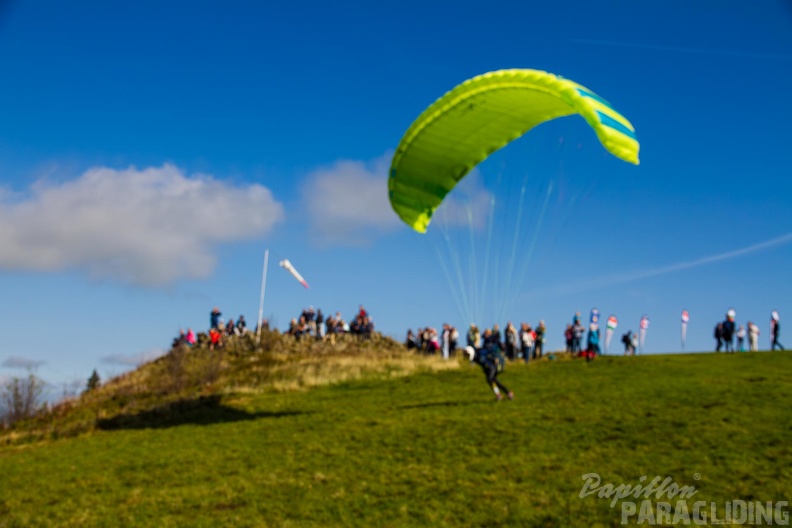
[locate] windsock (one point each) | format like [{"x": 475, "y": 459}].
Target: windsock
[
  {"x": 611, "y": 326},
  {"x": 685, "y": 319},
  {"x": 285, "y": 264},
  {"x": 642, "y": 332}
]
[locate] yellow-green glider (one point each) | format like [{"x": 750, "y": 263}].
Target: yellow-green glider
[{"x": 480, "y": 116}]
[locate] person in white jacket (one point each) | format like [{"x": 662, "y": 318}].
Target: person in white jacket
[
  {"x": 753, "y": 336},
  {"x": 741, "y": 333}
]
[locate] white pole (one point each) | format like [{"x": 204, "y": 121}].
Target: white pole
[{"x": 261, "y": 302}]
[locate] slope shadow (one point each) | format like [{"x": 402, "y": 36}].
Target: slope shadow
[
  {"x": 206, "y": 410},
  {"x": 452, "y": 403}
]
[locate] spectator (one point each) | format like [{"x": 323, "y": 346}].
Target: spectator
[
  {"x": 214, "y": 317},
  {"x": 774, "y": 333},
  {"x": 409, "y": 341},
  {"x": 434, "y": 343},
  {"x": 718, "y": 336},
  {"x": 310, "y": 320},
  {"x": 367, "y": 327},
  {"x": 473, "y": 336},
  {"x": 301, "y": 328},
  {"x": 320, "y": 324},
  {"x": 181, "y": 340},
  {"x": 490, "y": 339},
  {"x": 527, "y": 339},
  {"x": 496, "y": 336},
  {"x": 446, "y": 340},
  {"x": 511, "y": 341},
  {"x": 727, "y": 333},
  {"x": 569, "y": 338},
  {"x": 577, "y": 335},
  {"x": 593, "y": 340},
  {"x": 215, "y": 338},
  {"x": 753, "y": 337},
  {"x": 627, "y": 340},
  {"x": 740, "y": 338},
  {"x": 454, "y": 337},
  {"x": 540, "y": 338},
  {"x": 426, "y": 336}
]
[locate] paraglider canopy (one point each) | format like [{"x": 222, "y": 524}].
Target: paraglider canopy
[{"x": 480, "y": 116}]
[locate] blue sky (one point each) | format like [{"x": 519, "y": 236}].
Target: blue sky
[{"x": 151, "y": 151}]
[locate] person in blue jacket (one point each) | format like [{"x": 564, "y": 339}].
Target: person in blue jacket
[
  {"x": 491, "y": 362},
  {"x": 593, "y": 342}
]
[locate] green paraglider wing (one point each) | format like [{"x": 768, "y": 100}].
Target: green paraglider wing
[{"x": 480, "y": 116}]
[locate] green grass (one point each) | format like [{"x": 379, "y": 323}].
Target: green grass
[{"x": 429, "y": 449}]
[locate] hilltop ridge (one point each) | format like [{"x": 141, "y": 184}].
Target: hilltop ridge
[{"x": 187, "y": 379}]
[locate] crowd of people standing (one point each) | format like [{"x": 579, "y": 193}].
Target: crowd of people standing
[
  {"x": 526, "y": 343},
  {"x": 726, "y": 334},
  {"x": 313, "y": 323}
]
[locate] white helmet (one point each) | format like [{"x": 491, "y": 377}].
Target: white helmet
[{"x": 471, "y": 352}]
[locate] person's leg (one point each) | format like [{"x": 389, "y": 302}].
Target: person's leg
[{"x": 495, "y": 383}]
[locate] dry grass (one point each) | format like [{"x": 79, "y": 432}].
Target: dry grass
[
  {"x": 277, "y": 364},
  {"x": 309, "y": 372}
]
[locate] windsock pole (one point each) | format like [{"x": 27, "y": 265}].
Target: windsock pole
[{"x": 261, "y": 300}]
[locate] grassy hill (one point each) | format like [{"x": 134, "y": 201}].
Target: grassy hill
[
  {"x": 384, "y": 448},
  {"x": 186, "y": 378}
]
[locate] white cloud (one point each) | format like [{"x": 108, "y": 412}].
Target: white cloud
[
  {"x": 22, "y": 363},
  {"x": 621, "y": 278},
  {"x": 468, "y": 205},
  {"x": 150, "y": 226},
  {"x": 348, "y": 203},
  {"x": 133, "y": 360}
]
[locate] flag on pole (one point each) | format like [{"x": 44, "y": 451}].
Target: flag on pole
[
  {"x": 611, "y": 326},
  {"x": 685, "y": 319},
  {"x": 642, "y": 332},
  {"x": 594, "y": 317}
]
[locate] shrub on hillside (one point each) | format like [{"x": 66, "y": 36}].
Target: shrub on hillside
[{"x": 20, "y": 398}]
